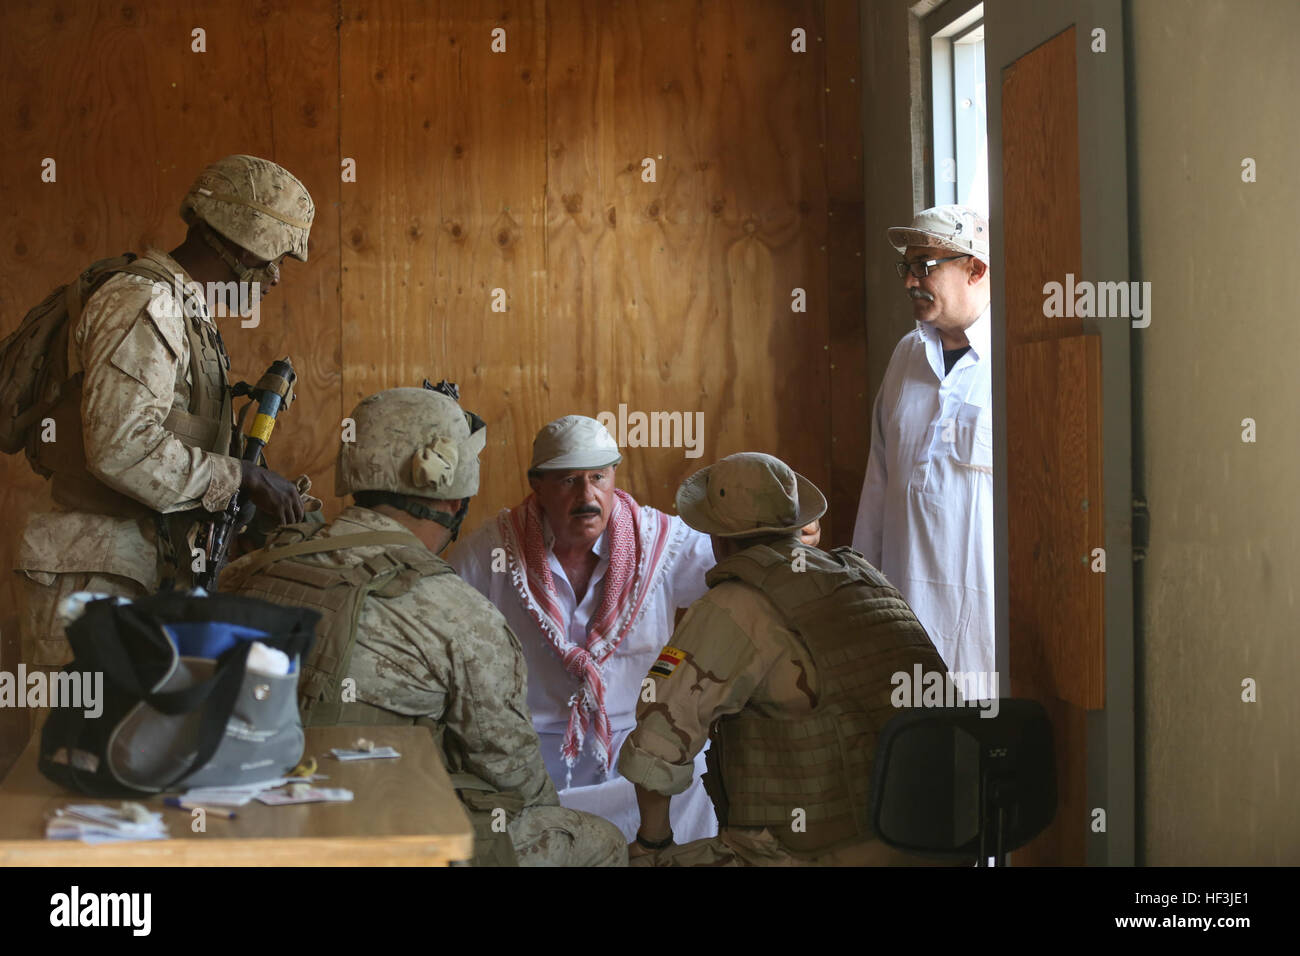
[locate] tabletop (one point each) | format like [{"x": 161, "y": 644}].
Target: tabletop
[{"x": 404, "y": 812}]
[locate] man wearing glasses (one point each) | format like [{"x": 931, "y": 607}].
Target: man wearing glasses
[{"x": 926, "y": 514}]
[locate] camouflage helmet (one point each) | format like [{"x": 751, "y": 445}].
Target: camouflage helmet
[
  {"x": 254, "y": 203},
  {"x": 411, "y": 441}
]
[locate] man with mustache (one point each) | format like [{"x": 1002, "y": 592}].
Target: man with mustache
[
  {"x": 926, "y": 514},
  {"x": 417, "y": 644},
  {"x": 590, "y": 581}
]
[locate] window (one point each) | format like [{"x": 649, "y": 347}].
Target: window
[{"x": 960, "y": 124}]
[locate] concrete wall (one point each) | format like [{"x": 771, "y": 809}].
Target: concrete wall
[{"x": 1215, "y": 82}]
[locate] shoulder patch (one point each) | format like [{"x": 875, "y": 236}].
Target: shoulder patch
[
  {"x": 165, "y": 314},
  {"x": 668, "y": 660},
  {"x": 147, "y": 359}
]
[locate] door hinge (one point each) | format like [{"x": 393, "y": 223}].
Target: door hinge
[{"x": 1141, "y": 529}]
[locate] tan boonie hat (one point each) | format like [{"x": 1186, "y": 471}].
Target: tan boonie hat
[
  {"x": 574, "y": 442},
  {"x": 958, "y": 228},
  {"x": 749, "y": 494},
  {"x": 254, "y": 203}
]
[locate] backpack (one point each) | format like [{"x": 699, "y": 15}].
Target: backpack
[{"x": 35, "y": 371}]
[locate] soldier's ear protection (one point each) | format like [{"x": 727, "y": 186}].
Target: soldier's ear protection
[{"x": 433, "y": 467}]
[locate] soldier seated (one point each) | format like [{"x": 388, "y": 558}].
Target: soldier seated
[
  {"x": 418, "y": 644},
  {"x": 785, "y": 666}
]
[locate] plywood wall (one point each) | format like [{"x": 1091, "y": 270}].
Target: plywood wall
[{"x": 477, "y": 171}]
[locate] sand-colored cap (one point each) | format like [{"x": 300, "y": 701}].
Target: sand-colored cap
[
  {"x": 958, "y": 228},
  {"x": 749, "y": 494},
  {"x": 574, "y": 442}
]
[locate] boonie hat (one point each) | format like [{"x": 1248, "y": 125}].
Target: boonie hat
[
  {"x": 574, "y": 442},
  {"x": 958, "y": 228},
  {"x": 749, "y": 494}
]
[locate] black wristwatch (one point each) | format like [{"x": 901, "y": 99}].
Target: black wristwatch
[{"x": 649, "y": 845}]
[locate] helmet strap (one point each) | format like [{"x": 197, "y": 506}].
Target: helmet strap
[
  {"x": 414, "y": 507},
  {"x": 244, "y": 273}
]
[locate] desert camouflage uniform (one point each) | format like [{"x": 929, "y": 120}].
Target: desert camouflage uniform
[
  {"x": 136, "y": 355},
  {"x": 735, "y": 653},
  {"x": 441, "y": 651}
]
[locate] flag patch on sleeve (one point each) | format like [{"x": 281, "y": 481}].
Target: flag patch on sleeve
[{"x": 668, "y": 660}]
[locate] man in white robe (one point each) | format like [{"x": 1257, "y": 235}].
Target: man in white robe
[
  {"x": 926, "y": 514},
  {"x": 590, "y": 582}
]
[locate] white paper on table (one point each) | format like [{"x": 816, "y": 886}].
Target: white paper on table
[{"x": 379, "y": 753}]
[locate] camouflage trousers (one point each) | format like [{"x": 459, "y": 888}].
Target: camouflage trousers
[
  {"x": 737, "y": 846},
  {"x": 43, "y": 641},
  {"x": 556, "y": 836},
  {"x": 44, "y": 645}
]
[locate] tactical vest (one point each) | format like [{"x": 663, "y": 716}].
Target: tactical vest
[
  {"x": 857, "y": 631},
  {"x": 339, "y": 593},
  {"x": 205, "y": 424}
]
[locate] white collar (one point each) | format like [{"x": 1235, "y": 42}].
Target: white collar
[{"x": 977, "y": 334}]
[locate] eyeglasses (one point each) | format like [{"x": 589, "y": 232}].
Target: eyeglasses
[{"x": 925, "y": 264}]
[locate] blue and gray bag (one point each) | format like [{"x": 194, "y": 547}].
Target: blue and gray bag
[{"x": 180, "y": 708}]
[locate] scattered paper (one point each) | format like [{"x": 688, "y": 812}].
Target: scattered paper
[
  {"x": 279, "y": 798},
  {"x": 238, "y": 796},
  {"x": 377, "y": 754},
  {"x": 95, "y": 823}
]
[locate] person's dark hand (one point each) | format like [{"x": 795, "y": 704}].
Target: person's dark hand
[
  {"x": 247, "y": 512},
  {"x": 274, "y": 496}
]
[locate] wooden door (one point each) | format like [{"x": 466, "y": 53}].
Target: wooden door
[{"x": 1065, "y": 574}]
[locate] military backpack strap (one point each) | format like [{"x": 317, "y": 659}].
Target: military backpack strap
[
  {"x": 207, "y": 422},
  {"x": 339, "y": 593},
  {"x": 320, "y": 545}
]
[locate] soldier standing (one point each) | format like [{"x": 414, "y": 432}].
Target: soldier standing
[{"x": 143, "y": 428}]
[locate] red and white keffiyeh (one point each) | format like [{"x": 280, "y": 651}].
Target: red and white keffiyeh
[{"x": 637, "y": 549}]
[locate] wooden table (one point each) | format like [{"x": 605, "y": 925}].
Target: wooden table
[{"x": 404, "y": 812}]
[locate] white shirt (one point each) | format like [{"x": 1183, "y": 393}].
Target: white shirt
[
  {"x": 689, "y": 555},
  {"x": 926, "y": 514}
]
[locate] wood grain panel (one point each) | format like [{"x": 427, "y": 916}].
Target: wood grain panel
[
  {"x": 1064, "y": 842},
  {"x": 1054, "y": 495},
  {"x": 850, "y": 405},
  {"x": 115, "y": 95},
  {"x": 448, "y": 205},
  {"x": 476, "y": 171},
  {"x": 1040, "y": 164},
  {"x": 677, "y": 292},
  {"x": 1053, "y": 431}
]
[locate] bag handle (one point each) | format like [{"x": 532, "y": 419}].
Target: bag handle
[
  {"x": 221, "y": 691},
  {"x": 216, "y": 695}
]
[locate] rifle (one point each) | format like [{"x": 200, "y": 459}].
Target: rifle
[{"x": 273, "y": 393}]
